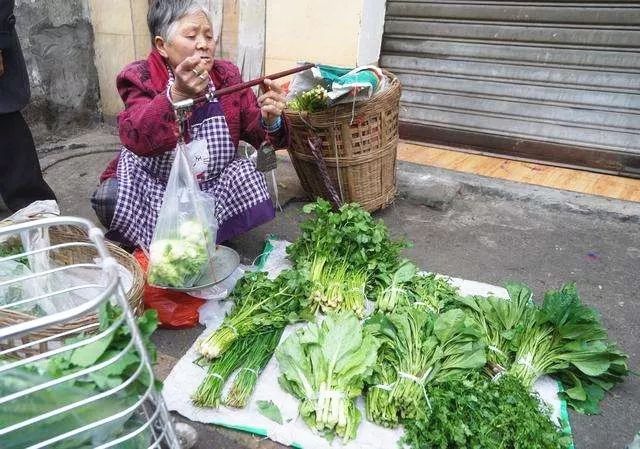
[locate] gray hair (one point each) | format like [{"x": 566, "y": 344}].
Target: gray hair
[{"x": 164, "y": 15}]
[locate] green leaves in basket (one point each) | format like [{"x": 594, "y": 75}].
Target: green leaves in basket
[{"x": 123, "y": 366}]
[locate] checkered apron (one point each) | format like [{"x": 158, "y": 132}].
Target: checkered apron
[{"x": 234, "y": 183}]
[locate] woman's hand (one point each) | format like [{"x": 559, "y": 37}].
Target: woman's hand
[
  {"x": 191, "y": 79},
  {"x": 272, "y": 102}
]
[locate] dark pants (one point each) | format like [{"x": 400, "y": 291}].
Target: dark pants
[
  {"x": 103, "y": 202},
  {"x": 21, "y": 181}
]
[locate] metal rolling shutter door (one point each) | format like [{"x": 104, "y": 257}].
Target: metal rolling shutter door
[{"x": 551, "y": 81}]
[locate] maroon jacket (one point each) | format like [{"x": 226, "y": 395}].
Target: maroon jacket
[{"x": 147, "y": 125}]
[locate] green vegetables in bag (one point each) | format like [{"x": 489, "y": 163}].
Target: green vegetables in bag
[
  {"x": 324, "y": 365},
  {"x": 181, "y": 261},
  {"x": 66, "y": 363}
]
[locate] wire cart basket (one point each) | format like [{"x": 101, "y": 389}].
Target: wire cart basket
[{"x": 90, "y": 386}]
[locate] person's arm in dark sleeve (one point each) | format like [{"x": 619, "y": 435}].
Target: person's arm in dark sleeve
[
  {"x": 147, "y": 126},
  {"x": 253, "y": 129},
  {"x": 7, "y": 24}
]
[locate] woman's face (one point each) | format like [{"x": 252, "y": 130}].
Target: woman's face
[{"x": 192, "y": 36}]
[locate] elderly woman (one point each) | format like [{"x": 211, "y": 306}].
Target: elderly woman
[{"x": 181, "y": 65}]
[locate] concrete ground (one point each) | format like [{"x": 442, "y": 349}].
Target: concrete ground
[{"x": 462, "y": 225}]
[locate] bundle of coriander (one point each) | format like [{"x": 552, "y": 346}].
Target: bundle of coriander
[{"x": 347, "y": 254}]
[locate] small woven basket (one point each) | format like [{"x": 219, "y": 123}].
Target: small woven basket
[
  {"x": 72, "y": 255},
  {"x": 358, "y": 145}
]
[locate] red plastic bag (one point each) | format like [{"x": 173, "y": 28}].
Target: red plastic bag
[{"x": 176, "y": 310}]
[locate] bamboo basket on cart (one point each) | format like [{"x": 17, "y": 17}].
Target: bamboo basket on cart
[
  {"x": 72, "y": 246},
  {"x": 347, "y": 153}
]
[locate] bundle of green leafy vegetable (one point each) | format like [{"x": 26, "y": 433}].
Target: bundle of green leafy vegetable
[
  {"x": 247, "y": 357},
  {"x": 475, "y": 412},
  {"x": 325, "y": 365},
  {"x": 251, "y": 367},
  {"x": 500, "y": 320},
  {"x": 568, "y": 341},
  {"x": 312, "y": 100},
  {"x": 180, "y": 262},
  {"x": 12, "y": 247},
  {"x": 394, "y": 289},
  {"x": 405, "y": 286},
  {"x": 337, "y": 287},
  {"x": 209, "y": 393},
  {"x": 561, "y": 337},
  {"x": 347, "y": 235},
  {"x": 260, "y": 304},
  {"x": 36, "y": 403},
  {"x": 417, "y": 350}
]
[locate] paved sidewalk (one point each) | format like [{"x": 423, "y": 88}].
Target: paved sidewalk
[{"x": 463, "y": 225}]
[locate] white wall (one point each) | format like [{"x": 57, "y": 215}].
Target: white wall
[{"x": 336, "y": 32}]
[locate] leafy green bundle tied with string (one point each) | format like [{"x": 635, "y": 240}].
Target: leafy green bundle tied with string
[
  {"x": 346, "y": 253},
  {"x": 562, "y": 337},
  {"x": 418, "y": 349},
  {"x": 325, "y": 365},
  {"x": 261, "y": 304}
]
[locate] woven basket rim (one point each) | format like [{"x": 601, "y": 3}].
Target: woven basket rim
[
  {"x": 134, "y": 294},
  {"x": 344, "y": 111}
]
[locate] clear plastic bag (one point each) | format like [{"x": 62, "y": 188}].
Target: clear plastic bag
[{"x": 183, "y": 244}]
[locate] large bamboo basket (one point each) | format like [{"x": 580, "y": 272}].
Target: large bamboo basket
[
  {"x": 358, "y": 145},
  {"x": 71, "y": 255}
]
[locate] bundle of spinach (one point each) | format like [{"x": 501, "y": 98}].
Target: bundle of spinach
[
  {"x": 38, "y": 402},
  {"x": 417, "y": 350},
  {"x": 349, "y": 235},
  {"x": 325, "y": 365},
  {"x": 393, "y": 290},
  {"x": 474, "y": 412},
  {"x": 562, "y": 337},
  {"x": 568, "y": 341},
  {"x": 432, "y": 292},
  {"x": 260, "y": 304}
]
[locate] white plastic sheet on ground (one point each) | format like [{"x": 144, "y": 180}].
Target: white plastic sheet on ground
[{"x": 186, "y": 376}]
